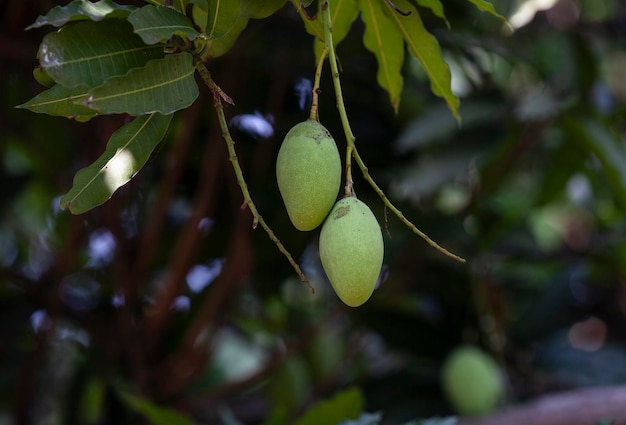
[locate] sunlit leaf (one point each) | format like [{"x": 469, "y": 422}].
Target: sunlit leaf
[
  {"x": 485, "y": 6},
  {"x": 259, "y": 9},
  {"x": 342, "y": 14},
  {"x": 156, "y": 24},
  {"x": 222, "y": 16},
  {"x": 88, "y": 53},
  {"x": 609, "y": 150},
  {"x": 60, "y": 101},
  {"x": 426, "y": 49},
  {"x": 127, "y": 152},
  {"x": 383, "y": 38},
  {"x": 157, "y": 415},
  {"x": 347, "y": 404},
  {"x": 163, "y": 85},
  {"x": 79, "y": 10}
]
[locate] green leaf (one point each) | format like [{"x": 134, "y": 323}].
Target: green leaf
[
  {"x": 259, "y": 9},
  {"x": 485, "y": 6},
  {"x": 88, "y": 53},
  {"x": 80, "y": 10},
  {"x": 163, "y": 85},
  {"x": 436, "y": 7},
  {"x": 343, "y": 13},
  {"x": 60, "y": 101},
  {"x": 157, "y": 24},
  {"x": 127, "y": 152},
  {"x": 347, "y": 404},
  {"x": 597, "y": 139},
  {"x": 157, "y": 415},
  {"x": 383, "y": 38},
  {"x": 222, "y": 16},
  {"x": 218, "y": 46},
  {"x": 426, "y": 49}
]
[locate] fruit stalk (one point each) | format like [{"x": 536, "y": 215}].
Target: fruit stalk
[
  {"x": 230, "y": 143},
  {"x": 351, "y": 150},
  {"x": 328, "y": 40},
  {"x": 314, "y": 115}
]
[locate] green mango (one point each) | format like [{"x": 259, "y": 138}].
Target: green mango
[
  {"x": 351, "y": 249},
  {"x": 308, "y": 171},
  {"x": 471, "y": 381}
]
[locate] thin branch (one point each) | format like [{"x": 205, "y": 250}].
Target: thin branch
[
  {"x": 328, "y": 39},
  {"x": 351, "y": 148},
  {"x": 230, "y": 143}
]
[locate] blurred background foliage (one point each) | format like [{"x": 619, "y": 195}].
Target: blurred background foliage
[{"x": 165, "y": 306}]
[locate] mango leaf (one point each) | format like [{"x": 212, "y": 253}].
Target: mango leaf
[
  {"x": 218, "y": 46},
  {"x": 60, "y": 101},
  {"x": 426, "y": 49},
  {"x": 259, "y": 9},
  {"x": 128, "y": 150},
  {"x": 163, "y": 85},
  {"x": 342, "y": 14},
  {"x": 80, "y": 10},
  {"x": 157, "y": 24},
  {"x": 222, "y": 16},
  {"x": 485, "y": 6},
  {"x": 313, "y": 26},
  {"x": 436, "y": 7},
  {"x": 383, "y": 38},
  {"x": 88, "y": 53},
  {"x": 157, "y": 415},
  {"x": 347, "y": 404},
  {"x": 595, "y": 138}
]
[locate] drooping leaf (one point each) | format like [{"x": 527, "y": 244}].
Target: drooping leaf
[
  {"x": 222, "y": 16},
  {"x": 436, "y": 7},
  {"x": 426, "y": 49},
  {"x": 60, "y": 101},
  {"x": 128, "y": 149},
  {"x": 383, "y": 38},
  {"x": 347, "y": 404},
  {"x": 157, "y": 24},
  {"x": 595, "y": 138},
  {"x": 216, "y": 47},
  {"x": 88, "y": 53},
  {"x": 163, "y": 85},
  {"x": 259, "y": 9},
  {"x": 157, "y": 415},
  {"x": 485, "y": 6},
  {"x": 80, "y": 10},
  {"x": 343, "y": 13}
]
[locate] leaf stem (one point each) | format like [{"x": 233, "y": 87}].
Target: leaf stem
[
  {"x": 218, "y": 95},
  {"x": 351, "y": 150}
]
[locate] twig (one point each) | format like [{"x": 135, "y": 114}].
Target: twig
[
  {"x": 218, "y": 95},
  {"x": 351, "y": 150}
]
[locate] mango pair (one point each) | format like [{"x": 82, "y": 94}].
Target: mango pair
[{"x": 308, "y": 171}]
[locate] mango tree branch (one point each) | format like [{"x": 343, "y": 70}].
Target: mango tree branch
[
  {"x": 218, "y": 95},
  {"x": 580, "y": 406},
  {"x": 351, "y": 149}
]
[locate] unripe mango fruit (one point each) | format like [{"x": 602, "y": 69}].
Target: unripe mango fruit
[
  {"x": 308, "y": 171},
  {"x": 471, "y": 381},
  {"x": 351, "y": 249}
]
